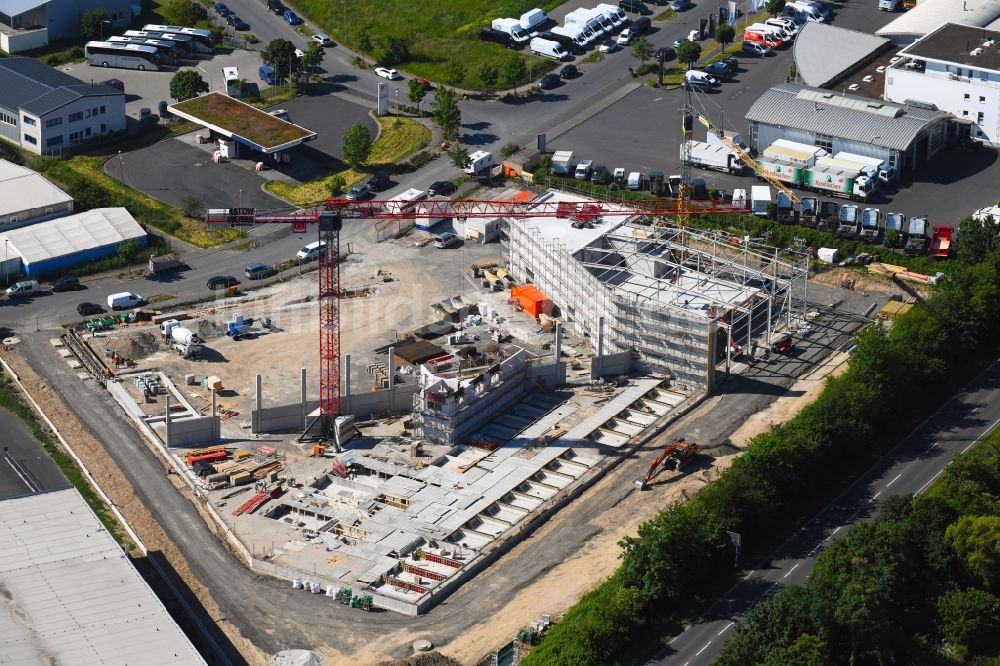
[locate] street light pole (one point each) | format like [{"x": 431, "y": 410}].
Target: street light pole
[{"x": 102, "y": 27}]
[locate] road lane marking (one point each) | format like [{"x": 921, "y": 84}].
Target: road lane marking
[
  {"x": 894, "y": 480},
  {"x": 831, "y": 534},
  {"x": 657, "y": 99},
  {"x": 929, "y": 482},
  {"x": 985, "y": 432},
  {"x": 723, "y": 630},
  {"x": 791, "y": 570},
  {"x": 703, "y": 649}
]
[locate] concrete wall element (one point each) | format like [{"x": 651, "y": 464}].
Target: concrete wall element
[
  {"x": 399, "y": 399},
  {"x": 362, "y": 405},
  {"x": 552, "y": 374},
  {"x": 281, "y": 418},
  {"x": 611, "y": 365},
  {"x": 200, "y": 430}
]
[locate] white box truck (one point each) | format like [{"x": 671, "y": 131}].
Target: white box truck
[
  {"x": 562, "y": 162},
  {"x": 548, "y": 48},
  {"x": 582, "y": 18},
  {"x": 712, "y": 156},
  {"x": 880, "y": 168},
  {"x": 479, "y": 163},
  {"x": 512, "y": 28},
  {"x": 573, "y": 33},
  {"x": 532, "y": 18},
  {"x": 616, "y": 14},
  {"x": 635, "y": 180},
  {"x": 760, "y": 200}
]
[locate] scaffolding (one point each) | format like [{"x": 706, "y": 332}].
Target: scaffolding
[{"x": 681, "y": 299}]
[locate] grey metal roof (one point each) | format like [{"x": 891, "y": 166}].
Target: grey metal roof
[
  {"x": 18, "y": 7},
  {"x": 929, "y": 15},
  {"x": 846, "y": 116},
  {"x": 823, "y": 53},
  {"x": 961, "y": 45},
  {"x": 37, "y": 88}
]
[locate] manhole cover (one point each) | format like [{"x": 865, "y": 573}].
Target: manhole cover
[
  {"x": 422, "y": 645},
  {"x": 11, "y": 341}
]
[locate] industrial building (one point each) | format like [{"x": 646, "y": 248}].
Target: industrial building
[
  {"x": 47, "y": 111},
  {"x": 27, "y": 197},
  {"x": 32, "y": 24},
  {"x": 826, "y": 54},
  {"x": 51, "y": 247},
  {"x": 904, "y": 136},
  {"x": 929, "y": 15},
  {"x": 956, "y": 69},
  {"x": 679, "y": 299},
  {"x": 70, "y": 593}
]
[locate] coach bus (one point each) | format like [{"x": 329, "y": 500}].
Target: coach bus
[
  {"x": 127, "y": 56},
  {"x": 166, "y": 51},
  {"x": 203, "y": 39},
  {"x": 185, "y": 47}
]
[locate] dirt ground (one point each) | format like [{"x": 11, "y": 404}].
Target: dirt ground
[
  {"x": 857, "y": 279},
  {"x": 113, "y": 482}
]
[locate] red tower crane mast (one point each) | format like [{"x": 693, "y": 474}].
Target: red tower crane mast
[{"x": 329, "y": 216}]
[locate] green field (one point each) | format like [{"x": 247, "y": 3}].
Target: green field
[{"x": 439, "y": 31}]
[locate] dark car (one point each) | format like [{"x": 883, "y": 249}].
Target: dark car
[
  {"x": 441, "y": 188},
  {"x": 87, "y": 308},
  {"x": 568, "y": 71},
  {"x": 221, "y": 282},
  {"x": 664, "y": 54},
  {"x": 597, "y": 175},
  {"x": 718, "y": 69},
  {"x": 259, "y": 271},
  {"x": 699, "y": 190},
  {"x": 221, "y": 9},
  {"x": 379, "y": 181},
  {"x": 276, "y": 7},
  {"x": 65, "y": 283},
  {"x": 241, "y": 25},
  {"x": 231, "y": 19},
  {"x": 549, "y": 81},
  {"x": 358, "y": 192},
  {"x": 114, "y": 83}
]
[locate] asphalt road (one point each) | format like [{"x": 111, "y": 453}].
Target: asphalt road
[
  {"x": 909, "y": 468},
  {"x": 24, "y": 466}
]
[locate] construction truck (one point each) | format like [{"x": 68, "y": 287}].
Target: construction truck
[
  {"x": 715, "y": 156},
  {"x": 182, "y": 340},
  {"x": 916, "y": 236},
  {"x": 673, "y": 456},
  {"x": 164, "y": 263},
  {"x": 870, "y": 218}
]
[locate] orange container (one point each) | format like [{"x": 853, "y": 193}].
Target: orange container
[{"x": 531, "y": 299}]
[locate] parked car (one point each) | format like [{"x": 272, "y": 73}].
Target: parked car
[
  {"x": 358, "y": 192},
  {"x": 125, "y": 300},
  {"x": 276, "y": 7},
  {"x": 548, "y": 82},
  {"x": 387, "y": 73},
  {"x": 259, "y": 271},
  {"x": 292, "y": 17},
  {"x": 755, "y": 49},
  {"x": 231, "y": 18},
  {"x": 322, "y": 40},
  {"x": 719, "y": 69},
  {"x": 446, "y": 239},
  {"x": 379, "y": 180},
  {"x": 65, "y": 283},
  {"x": 569, "y": 71},
  {"x": 87, "y": 308},
  {"x": 634, "y": 6},
  {"x": 23, "y": 289},
  {"x": 695, "y": 78},
  {"x": 221, "y": 9},
  {"x": 441, "y": 188},
  {"x": 597, "y": 175},
  {"x": 221, "y": 282},
  {"x": 699, "y": 190},
  {"x": 680, "y": 40},
  {"x": 311, "y": 252},
  {"x": 610, "y": 46},
  {"x": 664, "y": 53},
  {"x": 425, "y": 82},
  {"x": 114, "y": 83},
  {"x": 241, "y": 25}
]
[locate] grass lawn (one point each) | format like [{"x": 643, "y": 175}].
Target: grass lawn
[
  {"x": 439, "y": 31},
  {"x": 397, "y": 140},
  {"x": 240, "y": 118}
]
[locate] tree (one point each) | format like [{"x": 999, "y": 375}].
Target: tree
[
  {"x": 774, "y": 7},
  {"x": 446, "y": 114},
  {"x": 186, "y": 84},
  {"x": 363, "y": 41},
  {"x": 459, "y": 157},
  {"x": 192, "y": 206},
  {"x": 416, "y": 93},
  {"x": 127, "y": 250},
  {"x": 515, "y": 69},
  {"x": 396, "y": 50},
  {"x": 978, "y": 240},
  {"x": 976, "y": 542},
  {"x": 336, "y": 186},
  {"x": 313, "y": 55},
  {"x": 279, "y": 54},
  {"x": 357, "y": 145},
  {"x": 182, "y": 12},
  {"x": 970, "y": 619},
  {"x": 488, "y": 76},
  {"x": 725, "y": 34},
  {"x": 688, "y": 53},
  {"x": 642, "y": 50},
  {"x": 455, "y": 74},
  {"x": 92, "y": 23},
  {"x": 87, "y": 196}
]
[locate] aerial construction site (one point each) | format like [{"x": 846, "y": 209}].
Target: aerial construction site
[{"x": 442, "y": 433}]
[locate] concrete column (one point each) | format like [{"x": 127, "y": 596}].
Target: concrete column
[
  {"x": 216, "y": 424},
  {"x": 600, "y": 347},
  {"x": 558, "y": 345},
  {"x": 392, "y": 376},
  {"x": 167, "y": 421},
  {"x": 345, "y": 405},
  {"x": 302, "y": 396},
  {"x": 260, "y": 396}
]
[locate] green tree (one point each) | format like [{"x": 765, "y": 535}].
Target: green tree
[
  {"x": 313, "y": 55},
  {"x": 336, "y": 186},
  {"x": 455, "y": 74},
  {"x": 976, "y": 542},
  {"x": 363, "y": 41},
  {"x": 688, "y": 53},
  {"x": 488, "y": 76},
  {"x": 182, "y": 12},
  {"x": 127, "y": 250},
  {"x": 87, "y": 195},
  {"x": 978, "y": 239},
  {"x": 192, "y": 206},
  {"x": 774, "y": 7},
  {"x": 280, "y": 54},
  {"x": 186, "y": 84},
  {"x": 642, "y": 50},
  {"x": 515, "y": 69},
  {"x": 357, "y": 145},
  {"x": 459, "y": 157},
  {"x": 446, "y": 113},
  {"x": 92, "y": 23},
  {"x": 395, "y": 50},
  {"x": 970, "y": 620},
  {"x": 725, "y": 34},
  {"x": 416, "y": 93},
  {"x": 892, "y": 237}
]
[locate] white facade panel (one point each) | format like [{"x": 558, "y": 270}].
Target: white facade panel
[{"x": 968, "y": 98}]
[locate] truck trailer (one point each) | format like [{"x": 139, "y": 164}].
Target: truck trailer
[
  {"x": 562, "y": 162},
  {"x": 879, "y": 168},
  {"x": 712, "y": 156}
]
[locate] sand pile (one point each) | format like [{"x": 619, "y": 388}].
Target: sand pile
[
  {"x": 208, "y": 329},
  {"x": 134, "y": 346}
]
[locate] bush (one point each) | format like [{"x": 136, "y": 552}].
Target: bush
[{"x": 509, "y": 149}]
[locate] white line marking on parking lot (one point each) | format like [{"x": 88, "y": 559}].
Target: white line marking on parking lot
[
  {"x": 894, "y": 480},
  {"x": 703, "y": 649},
  {"x": 724, "y": 628},
  {"x": 791, "y": 570},
  {"x": 657, "y": 99}
]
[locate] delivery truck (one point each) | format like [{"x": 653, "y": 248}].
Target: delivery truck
[
  {"x": 791, "y": 151},
  {"x": 760, "y": 200},
  {"x": 876, "y": 168},
  {"x": 712, "y": 156},
  {"x": 893, "y": 222},
  {"x": 562, "y": 163},
  {"x": 916, "y": 235},
  {"x": 870, "y": 219},
  {"x": 848, "y": 222}
]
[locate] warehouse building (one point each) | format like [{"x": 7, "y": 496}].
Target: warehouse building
[
  {"x": 27, "y": 197},
  {"x": 680, "y": 300},
  {"x": 929, "y": 15},
  {"x": 956, "y": 68},
  {"x": 32, "y": 24},
  {"x": 49, "y": 248},
  {"x": 905, "y": 136}
]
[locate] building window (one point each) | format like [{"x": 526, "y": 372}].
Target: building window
[
  {"x": 52, "y": 122},
  {"x": 86, "y": 113},
  {"x": 965, "y": 114},
  {"x": 73, "y": 117},
  {"x": 982, "y": 100},
  {"x": 30, "y": 139},
  {"x": 103, "y": 111},
  {"x": 9, "y": 120},
  {"x": 28, "y": 120},
  {"x": 104, "y": 128},
  {"x": 983, "y": 76},
  {"x": 966, "y": 97},
  {"x": 75, "y": 138},
  {"x": 825, "y": 142},
  {"x": 87, "y": 132},
  {"x": 980, "y": 117},
  {"x": 53, "y": 141}
]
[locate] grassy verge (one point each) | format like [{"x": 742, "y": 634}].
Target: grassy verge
[
  {"x": 399, "y": 137},
  {"x": 58, "y": 53},
  {"x": 665, "y": 15},
  {"x": 11, "y": 399}
]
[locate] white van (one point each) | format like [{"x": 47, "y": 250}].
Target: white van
[
  {"x": 785, "y": 23},
  {"x": 125, "y": 300},
  {"x": 548, "y": 48},
  {"x": 311, "y": 251},
  {"x": 512, "y": 28},
  {"x": 571, "y": 32},
  {"x": 533, "y": 18},
  {"x": 773, "y": 30},
  {"x": 22, "y": 289},
  {"x": 801, "y": 11},
  {"x": 616, "y": 14},
  {"x": 635, "y": 180},
  {"x": 696, "y": 77}
]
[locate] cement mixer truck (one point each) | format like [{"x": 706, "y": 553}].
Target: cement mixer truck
[{"x": 182, "y": 340}]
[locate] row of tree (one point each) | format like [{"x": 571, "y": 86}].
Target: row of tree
[{"x": 682, "y": 558}]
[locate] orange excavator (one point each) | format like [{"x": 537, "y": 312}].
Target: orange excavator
[{"x": 675, "y": 454}]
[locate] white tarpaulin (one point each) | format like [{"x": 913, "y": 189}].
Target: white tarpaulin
[{"x": 827, "y": 254}]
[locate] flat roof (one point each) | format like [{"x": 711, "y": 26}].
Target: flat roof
[
  {"x": 825, "y": 53},
  {"x": 930, "y": 14},
  {"x": 22, "y": 189},
  {"x": 954, "y": 43},
  {"x": 68, "y": 235},
  {"x": 241, "y": 122},
  {"x": 561, "y": 231},
  {"x": 71, "y": 595}
]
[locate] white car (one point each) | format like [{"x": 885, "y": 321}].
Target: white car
[
  {"x": 387, "y": 73},
  {"x": 609, "y": 46},
  {"x": 694, "y": 35},
  {"x": 322, "y": 40}
]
